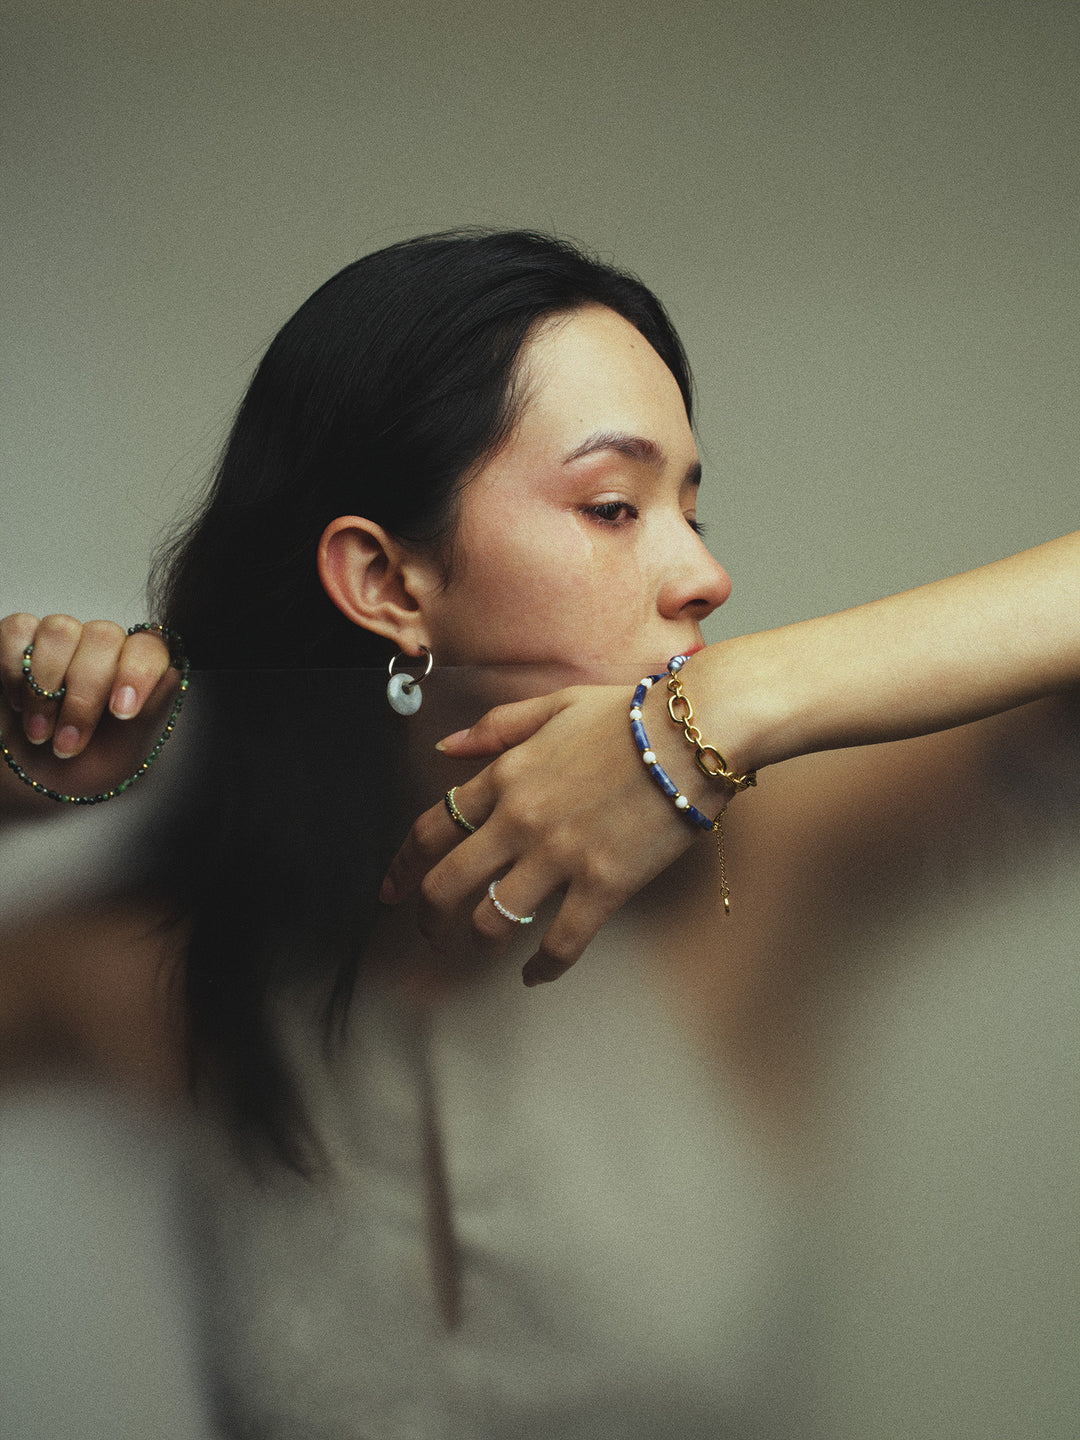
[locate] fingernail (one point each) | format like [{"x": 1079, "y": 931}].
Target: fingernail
[
  {"x": 387, "y": 893},
  {"x": 124, "y": 703},
  {"x": 36, "y": 729},
  {"x": 66, "y": 742},
  {"x": 449, "y": 740}
]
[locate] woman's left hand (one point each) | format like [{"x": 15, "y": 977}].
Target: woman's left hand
[{"x": 567, "y": 807}]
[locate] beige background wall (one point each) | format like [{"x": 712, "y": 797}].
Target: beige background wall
[
  {"x": 862, "y": 216},
  {"x": 859, "y": 213}
]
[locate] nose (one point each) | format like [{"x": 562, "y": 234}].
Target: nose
[{"x": 695, "y": 583}]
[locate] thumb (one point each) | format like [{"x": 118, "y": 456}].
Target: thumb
[{"x": 504, "y": 727}]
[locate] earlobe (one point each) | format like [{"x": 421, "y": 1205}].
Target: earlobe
[{"x": 371, "y": 579}]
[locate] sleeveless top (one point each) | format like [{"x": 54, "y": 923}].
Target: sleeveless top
[{"x": 539, "y": 1216}]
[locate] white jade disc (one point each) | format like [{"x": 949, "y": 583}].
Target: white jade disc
[{"x": 404, "y": 694}]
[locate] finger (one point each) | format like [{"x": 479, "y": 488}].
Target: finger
[
  {"x": 432, "y": 837},
  {"x": 16, "y": 632},
  {"x": 509, "y": 905},
  {"x": 88, "y": 682},
  {"x": 55, "y": 642},
  {"x": 143, "y": 660},
  {"x": 505, "y": 726},
  {"x": 580, "y": 917},
  {"x": 451, "y": 888}
]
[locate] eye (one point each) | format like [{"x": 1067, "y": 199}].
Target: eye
[
  {"x": 612, "y": 512},
  {"x": 695, "y": 525}
]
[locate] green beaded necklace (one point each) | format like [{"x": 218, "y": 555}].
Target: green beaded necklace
[{"x": 177, "y": 658}]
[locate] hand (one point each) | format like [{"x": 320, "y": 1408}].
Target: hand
[
  {"x": 99, "y": 664},
  {"x": 568, "y": 807}
]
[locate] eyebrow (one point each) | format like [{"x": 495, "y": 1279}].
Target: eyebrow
[{"x": 636, "y": 447}]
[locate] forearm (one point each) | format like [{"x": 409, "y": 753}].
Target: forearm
[{"x": 941, "y": 655}]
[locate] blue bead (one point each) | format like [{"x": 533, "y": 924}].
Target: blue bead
[{"x": 664, "y": 780}]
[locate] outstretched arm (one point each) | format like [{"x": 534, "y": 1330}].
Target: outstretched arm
[
  {"x": 925, "y": 660},
  {"x": 567, "y": 806}
]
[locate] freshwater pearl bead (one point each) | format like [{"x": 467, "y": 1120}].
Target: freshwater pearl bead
[{"x": 648, "y": 755}]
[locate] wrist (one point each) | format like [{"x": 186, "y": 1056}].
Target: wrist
[
  {"x": 741, "y": 693},
  {"x": 690, "y": 766}
]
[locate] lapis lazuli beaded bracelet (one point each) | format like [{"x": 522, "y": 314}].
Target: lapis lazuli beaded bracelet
[
  {"x": 656, "y": 770},
  {"x": 668, "y": 786}
]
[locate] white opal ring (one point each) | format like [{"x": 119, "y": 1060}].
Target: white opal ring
[{"x": 504, "y": 912}]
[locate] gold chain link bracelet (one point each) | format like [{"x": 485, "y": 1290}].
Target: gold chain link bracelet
[{"x": 717, "y": 769}]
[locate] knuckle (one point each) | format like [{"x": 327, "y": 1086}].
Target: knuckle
[
  {"x": 144, "y": 656},
  {"x": 426, "y": 830},
  {"x": 563, "y": 848},
  {"x": 506, "y": 768},
  {"x": 435, "y": 890},
  {"x": 526, "y": 814},
  {"x": 20, "y": 623},
  {"x": 103, "y": 633},
  {"x": 598, "y": 877},
  {"x": 499, "y": 722},
  {"x": 80, "y": 707},
  {"x": 63, "y": 628}
]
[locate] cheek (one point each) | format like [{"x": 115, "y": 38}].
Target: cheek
[
  {"x": 509, "y": 584},
  {"x": 510, "y": 554},
  {"x": 541, "y": 586}
]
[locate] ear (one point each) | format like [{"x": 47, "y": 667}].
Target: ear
[{"x": 374, "y": 581}]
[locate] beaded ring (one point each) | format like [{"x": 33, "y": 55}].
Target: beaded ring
[
  {"x": 455, "y": 814},
  {"x": 507, "y": 914},
  {"x": 178, "y": 659},
  {"x": 57, "y": 694}
]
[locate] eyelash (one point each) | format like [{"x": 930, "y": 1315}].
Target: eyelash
[{"x": 606, "y": 514}]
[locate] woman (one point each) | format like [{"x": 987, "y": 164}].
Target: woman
[{"x": 478, "y": 446}]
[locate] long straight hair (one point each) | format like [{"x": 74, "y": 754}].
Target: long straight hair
[{"x": 384, "y": 393}]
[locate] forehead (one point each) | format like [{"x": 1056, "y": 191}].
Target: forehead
[{"x": 593, "y": 370}]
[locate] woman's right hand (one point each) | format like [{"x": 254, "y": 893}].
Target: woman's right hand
[
  {"x": 567, "y": 809},
  {"x": 100, "y": 665}
]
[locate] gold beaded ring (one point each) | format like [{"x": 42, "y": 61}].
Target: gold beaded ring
[{"x": 455, "y": 814}]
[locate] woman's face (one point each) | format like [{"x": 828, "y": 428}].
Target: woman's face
[{"x": 577, "y": 542}]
